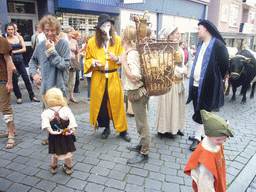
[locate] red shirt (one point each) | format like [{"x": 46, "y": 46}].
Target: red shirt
[{"x": 214, "y": 162}]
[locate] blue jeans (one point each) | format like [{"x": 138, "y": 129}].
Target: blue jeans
[{"x": 15, "y": 79}]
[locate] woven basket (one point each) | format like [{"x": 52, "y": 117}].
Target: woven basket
[{"x": 157, "y": 62}]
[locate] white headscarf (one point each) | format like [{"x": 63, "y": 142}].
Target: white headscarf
[{"x": 166, "y": 31}]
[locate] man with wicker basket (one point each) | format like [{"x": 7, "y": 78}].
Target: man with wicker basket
[
  {"x": 209, "y": 68},
  {"x": 102, "y": 59},
  {"x": 136, "y": 92}
]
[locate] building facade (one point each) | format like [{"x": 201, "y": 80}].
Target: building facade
[
  {"x": 83, "y": 14},
  {"x": 235, "y": 19}
]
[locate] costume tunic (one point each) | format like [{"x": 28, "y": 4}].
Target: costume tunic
[
  {"x": 5, "y": 48},
  {"x": 214, "y": 67},
  {"x": 59, "y": 144},
  {"x": 139, "y": 105},
  {"x": 170, "y": 115},
  {"x": 54, "y": 67},
  {"x": 207, "y": 167},
  {"x": 98, "y": 83}
]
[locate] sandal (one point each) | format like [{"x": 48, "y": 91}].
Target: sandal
[
  {"x": 45, "y": 142},
  {"x": 68, "y": 170},
  {"x": 53, "y": 169},
  {"x": 6, "y": 134},
  {"x": 11, "y": 142},
  {"x": 73, "y": 100}
]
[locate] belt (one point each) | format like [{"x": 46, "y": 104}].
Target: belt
[{"x": 107, "y": 71}]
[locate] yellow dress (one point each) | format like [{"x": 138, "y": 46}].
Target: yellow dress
[{"x": 98, "y": 81}]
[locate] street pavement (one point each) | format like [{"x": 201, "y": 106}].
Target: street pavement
[{"x": 100, "y": 165}]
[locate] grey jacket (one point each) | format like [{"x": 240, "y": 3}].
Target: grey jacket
[{"x": 54, "y": 67}]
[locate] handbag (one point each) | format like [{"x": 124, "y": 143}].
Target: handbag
[{"x": 74, "y": 65}]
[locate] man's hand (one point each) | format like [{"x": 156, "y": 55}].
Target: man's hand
[
  {"x": 49, "y": 44},
  {"x": 37, "y": 78},
  {"x": 9, "y": 87}
]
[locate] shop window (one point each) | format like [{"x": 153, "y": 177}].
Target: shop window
[{"x": 21, "y": 7}]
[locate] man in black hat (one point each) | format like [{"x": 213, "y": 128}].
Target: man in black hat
[
  {"x": 209, "y": 68},
  {"x": 102, "y": 59}
]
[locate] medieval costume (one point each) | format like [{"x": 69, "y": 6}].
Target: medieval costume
[
  {"x": 107, "y": 101},
  {"x": 209, "y": 68},
  {"x": 60, "y": 122},
  {"x": 170, "y": 115},
  {"x": 206, "y": 165},
  {"x": 137, "y": 94}
]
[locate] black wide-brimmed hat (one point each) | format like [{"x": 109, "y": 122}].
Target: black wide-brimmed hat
[
  {"x": 102, "y": 18},
  {"x": 212, "y": 29}
]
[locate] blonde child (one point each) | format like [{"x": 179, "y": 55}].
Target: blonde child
[
  {"x": 206, "y": 165},
  {"x": 60, "y": 122}
]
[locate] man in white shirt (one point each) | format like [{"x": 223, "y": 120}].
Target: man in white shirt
[{"x": 209, "y": 68}]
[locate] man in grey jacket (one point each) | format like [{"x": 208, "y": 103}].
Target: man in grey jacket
[{"x": 53, "y": 55}]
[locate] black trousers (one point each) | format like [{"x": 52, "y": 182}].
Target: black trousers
[
  {"x": 103, "y": 117},
  {"x": 197, "y": 116}
]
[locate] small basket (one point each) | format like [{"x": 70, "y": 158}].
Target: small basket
[{"x": 157, "y": 62}]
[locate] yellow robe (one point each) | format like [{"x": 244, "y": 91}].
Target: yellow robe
[{"x": 98, "y": 82}]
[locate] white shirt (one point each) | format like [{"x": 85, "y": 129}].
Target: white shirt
[
  {"x": 197, "y": 71},
  {"x": 65, "y": 113},
  {"x": 133, "y": 61}
]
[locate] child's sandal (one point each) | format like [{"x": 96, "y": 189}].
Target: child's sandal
[
  {"x": 68, "y": 170},
  {"x": 53, "y": 169}
]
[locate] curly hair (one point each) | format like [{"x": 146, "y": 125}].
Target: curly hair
[
  {"x": 52, "y": 21},
  {"x": 76, "y": 34},
  {"x": 100, "y": 40}
]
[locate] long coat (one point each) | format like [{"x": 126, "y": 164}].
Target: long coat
[
  {"x": 214, "y": 67},
  {"x": 98, "y": 83}
]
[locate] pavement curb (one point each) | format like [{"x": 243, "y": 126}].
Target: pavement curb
[{"x": 245, "y": 177}]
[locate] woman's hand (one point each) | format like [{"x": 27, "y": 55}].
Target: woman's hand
[{"x": 98, "y": 63}]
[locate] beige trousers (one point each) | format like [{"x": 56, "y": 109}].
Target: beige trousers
[{"x": 139, "y": 108}]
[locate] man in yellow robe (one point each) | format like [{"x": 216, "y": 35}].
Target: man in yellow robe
[{"x": 102, "y": 59}]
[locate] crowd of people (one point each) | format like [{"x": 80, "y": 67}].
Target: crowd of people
[{"x": 61, "y": 58}]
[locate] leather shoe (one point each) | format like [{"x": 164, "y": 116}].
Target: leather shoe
[
  {"x": 166, "y": 135},
  {"x": 180, "y": 133},
  {"x": 137, "y": 148},
  {"x": 105, "y": 133},
  {"x": 124, "y": 135},
  {"x": 139, "y": 158},
  {"x": 194, "y": 145},
  {"x": 192, "y": 138}
]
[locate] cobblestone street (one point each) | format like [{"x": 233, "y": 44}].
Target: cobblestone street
[{"x": 100, "y": 165}]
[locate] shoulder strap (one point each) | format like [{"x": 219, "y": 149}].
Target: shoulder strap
[{"x": 56, "y": 114}]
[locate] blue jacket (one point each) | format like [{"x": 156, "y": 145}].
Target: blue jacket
[{"x": 214, "y": 67}]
